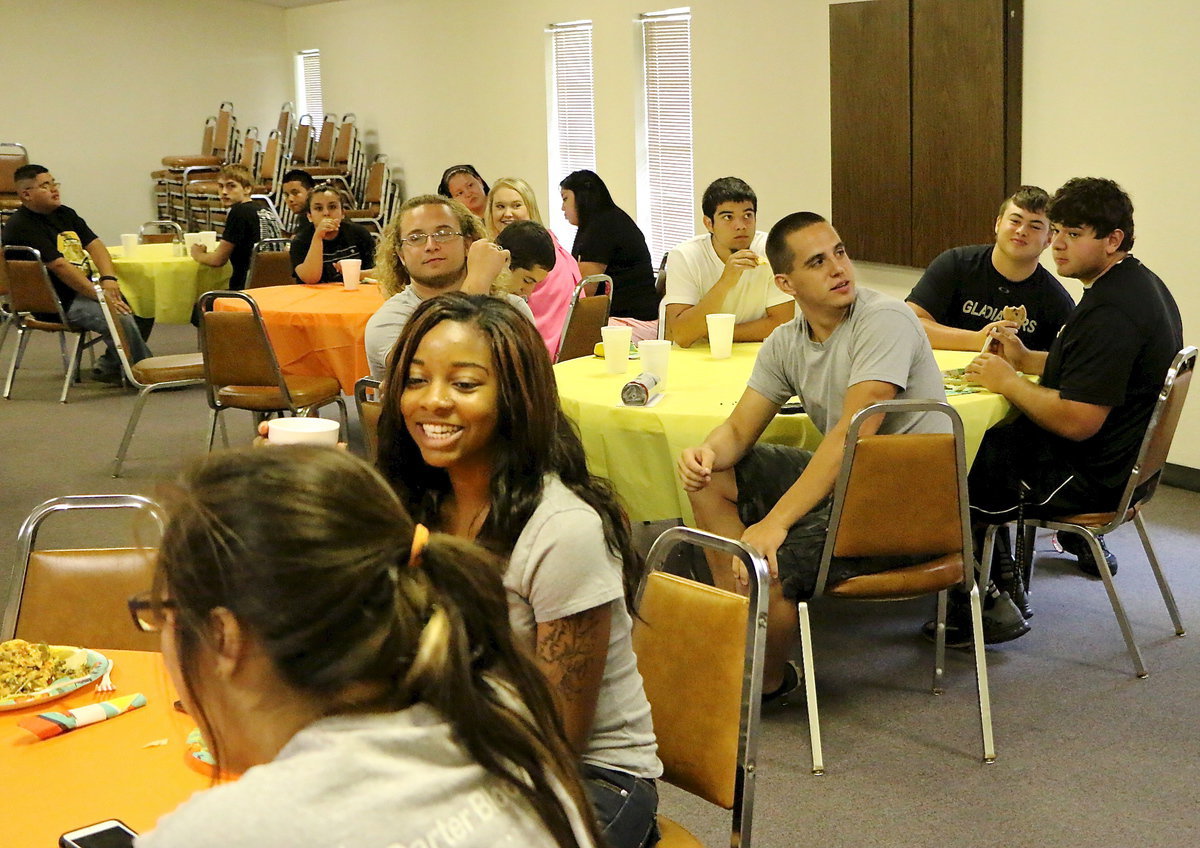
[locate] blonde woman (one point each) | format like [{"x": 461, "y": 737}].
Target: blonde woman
[{"x": 511, "y": 199}]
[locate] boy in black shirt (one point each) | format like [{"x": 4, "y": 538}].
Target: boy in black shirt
[{"x": 246, "y": 224}]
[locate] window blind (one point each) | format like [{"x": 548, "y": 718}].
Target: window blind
[
  {"x": 667, "y": 63},
  {"x": 572, "y": 116},
  {"x": 308, "y": 85}
]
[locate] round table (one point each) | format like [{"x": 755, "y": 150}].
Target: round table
[
  {"x": 636, "y": 447},
  {"x": 160, "y": 285},
  {"x": 132, "y": 767},
  {"x": 318, "y": 330}
]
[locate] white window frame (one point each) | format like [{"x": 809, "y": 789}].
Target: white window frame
[
  {"x": 665, "y": 172},
  {"x": 308, "y": 83},
  {"x": 571, "y": 114}
]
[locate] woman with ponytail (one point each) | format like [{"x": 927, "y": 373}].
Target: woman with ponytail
[
  {"x": 356, "y": 670},
  {"x": 472, "y": 437}
]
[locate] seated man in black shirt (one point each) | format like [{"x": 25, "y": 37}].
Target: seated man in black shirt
[
  {"x": 73, "y": 255},
  {"x": 246, "y": 224},
  {"x": 326, "y": 238},
  {"x": 1074, "y": 446},
  {"x": 963, "y": 292}
]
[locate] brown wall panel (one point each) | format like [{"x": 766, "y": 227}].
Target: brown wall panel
[
  {"x": 869, "y": 73},
  {"x": 959, "y": 132}
]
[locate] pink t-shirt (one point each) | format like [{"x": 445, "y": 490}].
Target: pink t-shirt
[{"x": 550, "y": 300}]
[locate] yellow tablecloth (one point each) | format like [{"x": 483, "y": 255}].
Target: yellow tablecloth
[
  {"x": 160, "y": 285},
  {"x": 636, "y": 447}
]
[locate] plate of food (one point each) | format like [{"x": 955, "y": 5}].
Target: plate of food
[{"x": 33, "y": 673}]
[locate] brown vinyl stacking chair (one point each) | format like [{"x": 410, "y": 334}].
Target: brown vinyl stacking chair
[
  {"x": 202, "y": 208},
  {"x": 377, "y": 198},
  {"x": 164, "y": 177},
  {"x": 35, "y": 306},
  {"x": 78, "y": 596},
  {"x": 270, "y": 264},
  {"x": 700, "y": 653},
  {"x": 160, "y": 232},
  {"x": 147, "y": 376},
  {"x": 241, "y": 371},
  {"x": 185, "y": 169},
  {"x": 13, "y": 155},
  {"x": 366, "y": 401},
  {"x": 902, "y": 495},
  {"x": 344, "y": 162},
  {"x": 302, "y": 142},
  {"x": 1143, "y": 481},
  {"x": 6, "y": 314},
  {"x": 581, "y": 330}
]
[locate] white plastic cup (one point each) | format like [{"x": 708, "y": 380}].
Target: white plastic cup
[
  {"x": 616, "y": 348},
  {"x": 190, "y": 239},
  {"x": 302, "y": 431},
  {"x": 129, "y": 245},
  {"x": 209, "y": 237},
  {"x": 655, "y": 355},
  {"x": 351, "y": 271},
  {"x": 720, "y": 334}
]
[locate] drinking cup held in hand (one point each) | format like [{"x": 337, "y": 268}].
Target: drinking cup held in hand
[
  {"x": 616, "y": 348},
  {"x": 302, "y": 431}
]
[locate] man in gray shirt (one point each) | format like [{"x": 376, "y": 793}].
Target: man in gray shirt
[
  {"x": 846, "y": 349},
  {"x": 434, "y": 246}
]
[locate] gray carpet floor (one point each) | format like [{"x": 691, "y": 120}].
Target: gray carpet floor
[{"x": 1088, "y": 755}]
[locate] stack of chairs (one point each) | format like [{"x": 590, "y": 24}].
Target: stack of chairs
[
  {"x": 379, "y": 197},
  {"x": 220, "y": 147},
  {"x": 13, "y": 155},
  {"x": 339, "y": 156},
  {"x": 202, "y": 209}
]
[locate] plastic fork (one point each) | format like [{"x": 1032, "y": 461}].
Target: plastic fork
[{"x": 106, "y": 684}]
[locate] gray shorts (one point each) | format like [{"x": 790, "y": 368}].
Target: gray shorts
[{"x": 763, "y": 476}]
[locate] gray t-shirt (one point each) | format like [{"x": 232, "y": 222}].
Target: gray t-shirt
[
  {"x": 384, "y": 327},
  {"x": 561, "y": 565},
  {"x": 378, "y": 779},
  {"x": 881, "y": 339}
]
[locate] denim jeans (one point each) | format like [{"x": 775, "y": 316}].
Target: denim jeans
[
  {"x": 626, "y": 806},
  {"x": 85, "y": 312}
]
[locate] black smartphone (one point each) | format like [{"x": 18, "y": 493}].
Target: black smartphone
[
  {"x": 106, "y": 834},
  {"x": 792, "y": 407}
]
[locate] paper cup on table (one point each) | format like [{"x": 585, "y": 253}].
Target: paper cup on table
[
  {"x": 302, "y": 431},
  {"x": 720, "y": 334},
  {"x": 351, "y": 269},
  {"x": 616, "y": 347},
  {"x": 209, "y": 238},
  {"x": 190, "y": 239},
  {"x": 129, "y": 245},
  {"x": 655, "y": 357}
]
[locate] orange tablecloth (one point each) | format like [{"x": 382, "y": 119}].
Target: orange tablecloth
[
  {"x": 318, "y": 330},
  {"x": 98, "y": 772}
]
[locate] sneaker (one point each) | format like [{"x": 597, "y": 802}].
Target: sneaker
[
  {"x": 1008, "y": 576},
  {"x": 1075, "y": 545},
  {"x": 792, "y": 678},
  {"x": 1002, "y": 621}
]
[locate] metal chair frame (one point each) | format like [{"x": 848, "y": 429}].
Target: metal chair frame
[
  {"x": 1139, "y": 490},
  {"x": 595, "y": 280},
  {"x": 366, "y": 394},
  {"x": 746, "y": 771},
  {"x": 968, "y": 583}
]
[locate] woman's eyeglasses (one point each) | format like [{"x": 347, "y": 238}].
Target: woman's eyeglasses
[{"x": 147, "y": 611}]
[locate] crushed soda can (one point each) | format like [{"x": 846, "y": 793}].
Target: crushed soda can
[{"x": 639, "y": 390}]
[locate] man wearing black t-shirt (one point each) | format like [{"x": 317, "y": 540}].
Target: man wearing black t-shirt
[
  {"x": 963, "y": 292},
  {"x": 1083, "y": 424},
  {"x": 73, "y": 256},
  {"x": 246, "y": 224}
]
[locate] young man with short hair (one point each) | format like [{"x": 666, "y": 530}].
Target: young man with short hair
[
  {"x": 296, "y": 185},
  {"x": 433, "y": 245},
  {"x": 724, "y": 270},
  {"x": 73, "y": 255},
  {"x": 1072, "y": 449},
  {"x": 246, "y": 224},
  {"x": 846, "y": 349},
  {"x": 531, "y": 255},
  {"x": 964, "y": 291}
]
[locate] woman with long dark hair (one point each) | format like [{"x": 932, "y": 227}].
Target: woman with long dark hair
[
  {"x": 609, "y": 242},
  {"x": 475, "y": 443},
  {"x": 358, "y": 671}
]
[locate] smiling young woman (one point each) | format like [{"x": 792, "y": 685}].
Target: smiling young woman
[{"x": 475, "y": 443}]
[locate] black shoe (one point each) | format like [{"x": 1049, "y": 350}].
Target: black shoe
[
  {"x": 1002, "y": 621},
  {"x": 1007, "y": 576},
  {"x": 110, "y": 378},
  {"x": 1075, "y": 545},
  {"x": 792, "y": 678}
]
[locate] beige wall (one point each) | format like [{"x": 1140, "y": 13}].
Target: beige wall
[{"x": 100, "y": 92}]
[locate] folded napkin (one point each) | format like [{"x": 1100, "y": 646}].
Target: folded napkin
[{"x": 46, "y": 725}]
